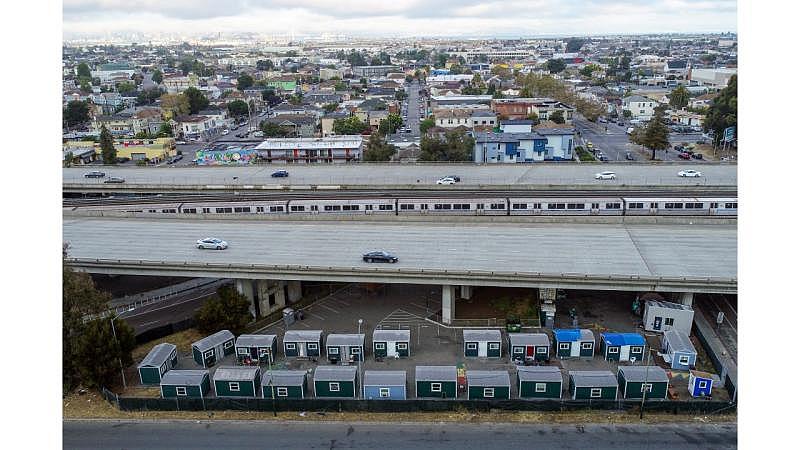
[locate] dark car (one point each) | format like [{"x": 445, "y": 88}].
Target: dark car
[
  {"x": 697, "y": 156},
  {"x": 280, "y": 174},
  {"x": 678, "y": 148},
  {"x": 379, "y": 256},
  {"x": 94, "y": 174},
  {"x": 115, "y": 180},
  {"x": 621, "y": 124}
]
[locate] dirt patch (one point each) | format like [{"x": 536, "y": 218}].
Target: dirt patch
[
  {"x": 498, "y": 303},
  {"x": 182, "y": 339}
]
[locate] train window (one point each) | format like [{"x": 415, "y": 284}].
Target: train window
[
  {"x": 346, "y": 207},
  {"x": 613, "y": 206},
  {"x": 337, "y": 207},
  {"x": 520, "y": 206},
  {"x": 635, "y": 205},
  {"x": 276, "y": 209},
  {"x": 406, "y": 206},
  {"x": 245, "y": 209},
  {"x": 556, "y": 206},
  {"x": 385, "y": 207},
  {"x": 368, "y": 207},
  {"x": 298, "y": 208},
  {"x": 168, "y": 210},
  {"x": 206, "y": 210},
  {"x": 498, "y": 206},
  {"x": 479, "y": 206},
  {"x": 190, "y": 211},
  {"x": 314, "y": 207},
  {"x": 355, "y": 207},
  {"x": 575, "y": 206},
  {"x": 465, "y": 206},
  {"x": 259, "y": 209},
  {"x": 151, "y": 210},
  {"x": 328, "y": 207},
  {"x": 732, "y": 205}
]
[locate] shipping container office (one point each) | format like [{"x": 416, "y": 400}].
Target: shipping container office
[
  {"x": 700, "y": 383},
  {"x": 662, "y": 316},
  {"x": 436, "y": 381},
  {"x": 635, "y": 380},
  {"x": 488, "y": 384},
  {"x": 391, "y": 343},
  {"x": 539, "y": 382},
  {"x": 285, "y": 383},
  {"x": 622, "y": 346},
  {"x": 302, "y": 343},
  {"x": 566, "y": 206},
  {"x": 592, "y": 385},
  {"x": 239, "y": 381},
  {"x": 529, "y": 346},
  {"x": 678, "y": 351},
  {"x": 385, "y": 384},
  {"x": 185, "y": 383},
  {"x": 211, "y": 349},
  {"x": 260, "y": 348},
  {"x": 577, "y": 343},
  {"x": 158, "y": 361},
  {"x": 345, "y": 347},
  {"x": 335, "y": 381},
  {"x": 483, "y": 343}
]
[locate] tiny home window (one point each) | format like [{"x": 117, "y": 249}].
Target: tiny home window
[
  {"x": 402, "y": 346},
  {"x": 180, "y": 390},
  {"x": 208, "y": 354},
  {"x": 355, "y": 350},
  {"x": 541, "y": 350},
  {"x": 472, "y": 346},
  {"x": 314, "y": 346},
  {"x": 636, "y": 349},
  {"x": 494, "y": 346},
  {"x": 595, "y": 392},
  {"x": 333, "y": 350},
  {"x": 541, "y": 387},
  {"x": 233, "y": 386},
  {"x": 290, "y": 346},
  {"x": 242, "y": 351},
  {"x": 684, "y": 360},
  {"x": 669, "y": 321},
  {"x": 437, "y": 387},
  {"x": 333, "y": 387},
  {"x": 384, "y": 392},
  {"x": 228, "y": 344},
  {"x": 519, "y": 350},
  {"x": 587, "y": 346},
  {"x": 647, "y": 387},
  {"x": 380, "y": 346},
  {"x": 702, "y": 384},
  {"x": 488, "y": 392},
  {"x": 263, "y": 352},
  {"x": 614, "y": 350},
  {"x": 282, "y": 391},
  {"x": 563, "y": 345}
]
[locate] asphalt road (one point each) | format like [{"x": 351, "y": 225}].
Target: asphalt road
[
  {"x": 168, "y": 311},
  {"x": 331, "y": 435}
]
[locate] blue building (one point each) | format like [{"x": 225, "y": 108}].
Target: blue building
[
  {"x": 678, "y": 350},
  {"x": 622, "y": 346},
  {"x": 700, "y": 383},
  {"x": 385, "y": 384},
  {"x": 578, "y": 343},
  {"x": 552, "y": 144}
]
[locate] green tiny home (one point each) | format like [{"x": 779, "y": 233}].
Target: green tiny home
[
  {"x": 238, "y": 381},
  {"x": 158, "y": 361},
  {"x": 335, "y": 381},
  {"x": 539, "y": 382},
  {"x": 488, "y": 385},
  {"x": 211, "y": 349},
  {"x": 185, "y": 383},
  {"x": 285, "y": 384},
  {"x": 260, "y": 348},
  {"x": 344, "y": 347},
  {"x": 391, "y": 343},
  {"x": 483, "y": 343},
  {"x": 302, "y": 343},
  {"x": 635, "y": 380},
  {"x": 436, "y": 381},
  {"x": 592, "y": 385},
  {"x": 529, "y": 346}
]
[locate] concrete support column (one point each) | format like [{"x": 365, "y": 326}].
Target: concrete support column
[
  {"x": 245, "y": 287},
  {"x": 295, "y": 291},
  {"x": 263, "y": 288},
  {"x": 280, "y": 295},
  {"x": 448, "y": 303},
  {"x": 687, "y": 298},
  {"x": 466, "y": 292}
]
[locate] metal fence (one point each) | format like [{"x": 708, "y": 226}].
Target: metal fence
[{"x": 164, "y": 330}]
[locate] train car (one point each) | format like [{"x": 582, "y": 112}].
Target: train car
[
  {"x": 722, "y": 206},
  {"x": 343, "y": 206},
  {"x": 607, "y": 206},
  {"x": 152, "y": 208},
  {"x": 680, "y": 206},
  {"x": 241, "y": 207},
  {"x": 453, "y": 206}
]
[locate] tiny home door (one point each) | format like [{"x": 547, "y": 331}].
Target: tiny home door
[
  {"x": 529, "y": 351},
  {"x": 301, "y": 349},
  {"x": 575, "y": 348},
  {"x": 624, "y": 352},
  {"x": 482, "y": 348},
  {"x": 219, "y": 352},
  {"x": 391, "y": 349}
]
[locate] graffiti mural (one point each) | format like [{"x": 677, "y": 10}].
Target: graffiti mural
[{"x": 229, "y": 157}]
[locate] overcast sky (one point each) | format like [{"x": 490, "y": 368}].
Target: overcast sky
[{"x": 402, "y": 17}]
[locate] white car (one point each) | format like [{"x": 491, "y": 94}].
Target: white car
[
  {"x": 212, "y": 243},
  {"x": 690, "y": 173},
  {"x": 225, "y": 132},
  {"x": 605, "y": 176},
  {"x": 446, "y": 180}
]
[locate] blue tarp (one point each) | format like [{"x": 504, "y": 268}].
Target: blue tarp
[
  {"x": 618, "y": 339},
  {"x": 567, "y": 335}
]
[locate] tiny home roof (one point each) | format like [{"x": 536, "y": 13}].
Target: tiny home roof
[
  {"x": 302, "y": 336},
  {"x": 255, "y": 340},
  {"x": 335, "y": 373},
  {"x": 184, "y": 377},
  {"x": 481, "y": 335},
  {"x": 283, "y": 377},
  {"x": 391, "y": 335},
  {"x": 488, "y": 378},
  {"x": 618, "y": 339},
  {"x": 668, "y": 305},
  {"x": 573, "y": 335},
  {"x": 212, "y": 341},
  {"x": 593, "y": 378},
  {"x": 384, "y": 378},
  {"x": 539, "y": 373},
  {"x": 649, "y": 374},
  {"x": 157, "y": 355},
  {"x": 527, "y": 339},
  {"x": 336, "y": 340},
  {"x": 436, "y": 373},
  {"x": 679, "y": 342},
  {"x": 243, "y": 373}
]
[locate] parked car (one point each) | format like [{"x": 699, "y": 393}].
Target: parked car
[
  {"x": 379, "y": 256},
  {"x": 280, "y": 174},
  {"x": 607, "y": 175},
  {"x": 602, "y": 156},
  {"x": 94, "y": 174},
  {"x": 690, "y": 173},
  {"x": 621, "y": 124},
  {"x": 602, "y": 120},
  {"x": 446, "y": 180},
  {"x": 115, "y": 180},
  {"x": 678, "y": 148},
  {"x": 180, "y": 142},
  {"x": 697, "y": 156},
  {"x": 225, "y": 132},
  {"x": 629, "y": 156},
  {"x": 212, "y": 243},
  {"x": 684, "y": 155}
]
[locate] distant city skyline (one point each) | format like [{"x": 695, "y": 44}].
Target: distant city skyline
[{"x": 398, "y": 18}]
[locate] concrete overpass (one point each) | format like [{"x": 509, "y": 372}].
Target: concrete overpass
[{"x": 670, "y": 258}]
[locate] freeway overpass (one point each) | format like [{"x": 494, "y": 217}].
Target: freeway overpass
[{"x": 670, "y": 258}]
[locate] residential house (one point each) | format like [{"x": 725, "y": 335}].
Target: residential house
[
  {"x": 177, "y": 83},
  {"x": 107, "y": 102},
  {"x": 107, "y": 73},
  {"x": 641, "y": 108},
  {"x": 484, "y": 120},
  {"x": 453, "y": 118},
  {"x": 522, "y": 108},
  {"x": 198, "y": 127},
  {"x": 553, "y": 144},
  {"x": 327, "y": 121},
  {"x": 303, "y": 126},
  {"x": 374, "y": 71}
]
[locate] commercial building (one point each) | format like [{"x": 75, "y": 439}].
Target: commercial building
[
  {"x": 331, "y": 149},
  {"x": 548, "y": 144},
  {"x": 374, "y": 71}
]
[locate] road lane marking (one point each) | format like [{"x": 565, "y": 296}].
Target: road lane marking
[{"x": 329, "y": 308}]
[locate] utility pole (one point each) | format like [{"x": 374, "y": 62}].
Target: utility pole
[
  {"x": 360, "y": 356},
  {"x": 121, "y": 369},
  {"x": 644, "y": 386},
  {"x": 271, "y": 384}
]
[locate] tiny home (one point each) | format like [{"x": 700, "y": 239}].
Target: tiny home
[
  {"x": 260, "y": 348},
  {"x": 344, "y": 347},
  {"x": 677, "y": 350},
  {"x": 385, "y": 384},
  {"x": 158, "y": 361},
  {"x": 302, "y": 343},
  {"x": 700, "y": 383},
  {"x": 485, "y": 343},
  {"x": 539, "y": 382},
  {"x": 335, "y": 381},
  {"x": 436, "y": 381},
  {"x": 185, "y": 383},
  {"x": 239, "y": 381},
  {"x": 662, "y": 316},
  {"x": 391, "y": 343},
  {"x": 488, "y": 385},
  {"x": 285, "y": 384},
  {"x": 529, "y": 346},
  {"x": 622, "y": 346},
  {"x": 634, "y": 381},
  {"x": 592, "y": 385},
  {"x": 211, "y": 349},
  {"x": 574, "y": 343}
]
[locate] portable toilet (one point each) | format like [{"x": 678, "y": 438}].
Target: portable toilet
[{"x": 700, "y": 383}]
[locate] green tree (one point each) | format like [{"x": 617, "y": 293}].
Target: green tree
[
  {"x": 227, "y": 310},
  {"x": 589, "y": 69},
  {"x": 108, "y": 152},
  {"x": 238, "y": 108},
  {"x": 534, "y": 117},
  {"x": 330, "y": 107},
  {"x": 655, "y": 135},
  {"x": 556, "y": 65},
  {"x": 271, "y": 129},
  {"x": 626, "y": 113},
  {"x": 185, "y": 67},
  {"x": 158, "y": 77},
  {"x": 400, "y": 95},
  {"x": 86, "y": 87},
  {"x": 197, "y": 100},
  {"x": 126, "y": 88},
  {"x": 426, "y": 125},
  {"x": 244, "y": 81},
  {"x": 722, "y": 112},
  {"x": 148, "y": 96},
  {"x": 390, "y": 124},
  {"x": 268, "y": 95},
  {"x": 350, "y": 125},
  {"x": 557, "y": 117},
  {"x": 76, "y": 113},
  {"x": 84, "y": 71},
  {"x": 679, "y": 97},
  {"x": 377, "y": 149},
  {"x": 456, "y": 146},
  {"x": 99, "y": 350},
  {"x": 165, "y": 130}
]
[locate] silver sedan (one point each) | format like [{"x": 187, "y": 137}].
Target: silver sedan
[{"x": 212, "y": 243}]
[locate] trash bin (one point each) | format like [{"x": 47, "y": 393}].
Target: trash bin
[{"x": 288, "y": 316}]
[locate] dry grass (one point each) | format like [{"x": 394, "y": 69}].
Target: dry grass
[{"x": 182, "y": 339}]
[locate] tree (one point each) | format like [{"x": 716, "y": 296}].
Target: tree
[
  {"x": 589, "y": 69},
  {"x": 148, "y": 96},
  {"x": 85, "y": 86},
  {"x": 679, "y": 97},
  {"x": 655, "y": 135},
  {"x": 99, "y": 350},
  {"x": 268, "y": 95},
  {"x": 626, "y": 113},
  {"x": 557, "y": 117},
  {"x": 197, "y": 100},
  {"x": 227, "y": 310},
  {"x": 400, "y": 95},
  {"x": 108, "y": 152},
  {"x": 165, "y": 130},
  {"x": 556, "y": 65},
  {"x": 126, "y": 88},
  {"x": 330, "y": 107},
  {"x": 158, "y": 77},
  {"x": 456, "y": 146},
  {"x": 84, "y": 71},
  {"x": 350, "y": 125},
  {"x": 244, "y": 81},
  {"x": 390, "y": 124},
  {"x": 535, "y": 117},
  {"x": 377, "y": 149},
  {"x": 174, "y": 105},
  {"x": 265, "y": 64},
  {"x": 76, "y": 113},
  {"x": 271, "y": 129},
  {"x": 185, "y": 67},
  {"x": 427, "y": 124},
  {"x": 722, "y": 112},
  {"x": 238, "y": 108}
]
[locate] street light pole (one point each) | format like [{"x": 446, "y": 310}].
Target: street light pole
[
  {"x": 644, "y": 387},
  {"x": 271, "y": 384},
  {"x": 121, "y": 369},
  {"x": 360, "y": 356}
]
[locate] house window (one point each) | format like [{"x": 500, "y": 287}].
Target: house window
[
  {"x": 180, "y": 390},
  {"x": 541, "y": 350},
  {"x": 355, "y": 350},
  {"x": 636, "y": 349},
  {"x": 380, "y": 346},
  {"x": 384, "y": 392},
  {"x": 291, "y": 346},
  {"x": 472, "y": 346},
  {"x": 262, "y": 352},
  {"x": 333, "y": 387},
  {"x": 282, "y": 391},
  {"x": 488, "y": 392},
  {"x": 228, "y": 344},
  {"x": 233, "y": 386},
  {"x": 209, "y": 354},
  {"x": 541, "y": 387},
  {"x": 647, "y": 387},
  {"x": 684, "y": 360},
  {"x": 613, "y": 349},
  {"x": 518, "y": 350},
  {"x": 437, "y": 387},
  {"x": 402, "y": 346},
  {"x": 314, "y": 346},
  {"x": 595, "y": 392},
  {"x": 587, "y": 346},
  {"x": 333, "y": 350},
  {"x": 242, "y": 351},
  {"x": 563, "y": 345},
  {"x": 702, "y": 384},
  {"x": 494, "y": 346},
  {"x": 669, "y": 321}
]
